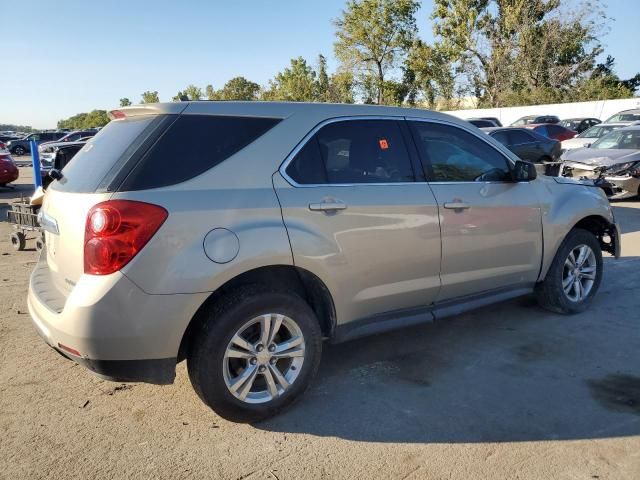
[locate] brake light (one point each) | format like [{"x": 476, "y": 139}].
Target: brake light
[{"x": 115, "y": 231}]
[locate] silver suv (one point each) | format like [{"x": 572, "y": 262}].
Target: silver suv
[{"x": 239, "y": 236}]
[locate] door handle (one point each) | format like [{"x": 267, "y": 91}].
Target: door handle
[
  {"x": 327, "y": 206},
  {"x": 457, "y": 205}
]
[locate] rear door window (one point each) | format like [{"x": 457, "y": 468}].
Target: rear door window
[
  {"x": 519, "y": 137},
  {"x": 192, "y": 145},
  {"x": 354, "y": 151}
]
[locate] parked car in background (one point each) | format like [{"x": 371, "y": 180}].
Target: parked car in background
[
  {"x": 530, "y": 146},
  {"x": 48, "y": 155},
  {"x": 529, "y": 119},
  {"x": 57, "y": 159},
  {"x": 74, "y": 136},
  {"x": 589, "y": 136},
  {"x": 482, "y": 122},
  {"x": 493, "y": 119},
  {"x": 160, "y": 249},
  {"x": 8, "y": 170},
  {"x": 613, "y": 159},
  {"x": 551, "y": 130},
  {"x": 579, "y": 124},
  {"x": 21, "y": 146},
  {"x": 632, "y": 115}
]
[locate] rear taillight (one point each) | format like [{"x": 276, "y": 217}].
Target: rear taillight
[{"x": 116, "y": 230}]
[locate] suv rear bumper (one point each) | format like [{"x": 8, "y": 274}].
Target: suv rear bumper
[{"x": 111, "y": 327}]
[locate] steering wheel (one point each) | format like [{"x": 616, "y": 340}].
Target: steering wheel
[{"x": 495, "y": 174}]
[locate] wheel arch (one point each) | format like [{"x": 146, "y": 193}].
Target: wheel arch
[
  {"x": 603, "y": 228},
  {"x": 287, "y": 278}
]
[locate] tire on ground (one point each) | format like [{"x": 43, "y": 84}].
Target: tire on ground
[
  {"x": 220, "y": 321},
  {"x": 550, "y": 293}
]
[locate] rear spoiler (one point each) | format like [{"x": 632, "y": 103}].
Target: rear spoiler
[{"x": 148, "y": 109}]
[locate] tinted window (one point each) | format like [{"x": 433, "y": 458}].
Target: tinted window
[
  {"x": 501, "y": 137},
  {"x": 355, "y": 151},
  {"x": 519, "y": 137},
  {"x": 192, "y": 145},
  {"x": 542, "y": 130},
  {"x": 456, "y": 155},
  {"x": 307, "y": 167},
  {"x": 115, "y": 141},
  {"x": 482, "y": 123}
]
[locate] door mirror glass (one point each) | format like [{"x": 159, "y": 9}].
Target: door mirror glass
[{"x": 524, "y": 171}]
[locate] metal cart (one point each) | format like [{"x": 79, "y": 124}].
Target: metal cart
[{"x": 24, "y": 218}]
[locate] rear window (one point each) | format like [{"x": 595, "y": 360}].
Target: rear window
[
  {"x": 145, "y": 152},
  {"x": 192, "y": 145},
  {"x": 92, "y": 163}
]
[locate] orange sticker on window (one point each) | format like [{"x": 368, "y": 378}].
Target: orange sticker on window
[{"x": 383, "y": 143}]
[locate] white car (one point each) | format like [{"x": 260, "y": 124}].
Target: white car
[{"x": 592, "y": 134}]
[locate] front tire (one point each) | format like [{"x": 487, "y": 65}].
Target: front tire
[
  {"x": 574, "y": 275},
  {"x": 255, "y": 353}
]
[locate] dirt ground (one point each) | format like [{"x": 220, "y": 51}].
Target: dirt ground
[{"x": 509, "y": 391}]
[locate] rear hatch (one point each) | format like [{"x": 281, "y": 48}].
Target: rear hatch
[{"x": 87, "y": 180}]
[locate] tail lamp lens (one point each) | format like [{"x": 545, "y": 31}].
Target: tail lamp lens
[{"x": 115, "y": 231}]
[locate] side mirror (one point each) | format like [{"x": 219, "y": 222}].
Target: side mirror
[{"x": 524, "y": 171}]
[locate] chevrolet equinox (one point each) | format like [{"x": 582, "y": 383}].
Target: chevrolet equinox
[{"x": 239, "y": 235}]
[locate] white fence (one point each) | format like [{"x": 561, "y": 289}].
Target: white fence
[{"x": 601, "y": 109}]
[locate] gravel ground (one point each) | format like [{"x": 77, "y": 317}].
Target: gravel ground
[{"x": 509, "y": 391}]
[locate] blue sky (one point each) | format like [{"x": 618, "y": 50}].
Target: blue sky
[{"x": 69, "y": 56}]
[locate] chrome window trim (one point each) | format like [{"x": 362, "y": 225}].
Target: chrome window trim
[{"x": 314, "y": 130}]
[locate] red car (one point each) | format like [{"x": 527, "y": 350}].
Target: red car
[
  {"x": 8, "y": 169},
  {"x": 552, "y": 130}
]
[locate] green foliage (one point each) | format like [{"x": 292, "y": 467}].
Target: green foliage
[
  {"x": 295, "y": 84},
  {"x": 150, "y": 97},
  {"x": 125, "y": 102},
  {"x": 16, "y": 128},
  {"x": 81, "y": 121},
  {"x": 193, "y": 92},
  {"x": 372, "y": 40},
  {"x": 238, "y": 88}
]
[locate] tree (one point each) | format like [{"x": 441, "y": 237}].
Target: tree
[
  {"x": 180, "y": 97},
  {"x": 507, "y": 49},
  {"x": 433, "y": 77},
  {"x": 294, "y": 84},
  {"x": 81, "y": 121},
  {"x": 322, "y": 82},
  {"x": 238, "y": 88},
  {"x": 341, "y": 88},
  {"x": 150, "y": 97},
  {"x": 373, "y": 37},
  {"x": 125, "y": 102},
  {"x": 193, "y": 92}
]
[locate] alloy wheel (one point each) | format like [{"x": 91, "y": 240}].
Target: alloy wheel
[
  {"x": 579, "y": 273},
  {"x": 264, "y": 358}
]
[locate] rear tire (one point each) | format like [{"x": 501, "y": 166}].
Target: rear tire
[
  {"x": 39, "y": 244},
  {"x": 217, "y": 365},
  {"x": 18, "y": 241},
  {"x": 569, "y": 286}
]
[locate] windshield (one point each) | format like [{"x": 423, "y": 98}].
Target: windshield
[
  {"x": 621, "y": 139},
  {"x": 624, "y": 117},
  {"x": 597, "y": 131},
  {"x": 572, "y": 124},
  {"x": 524, "y": 121}
]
